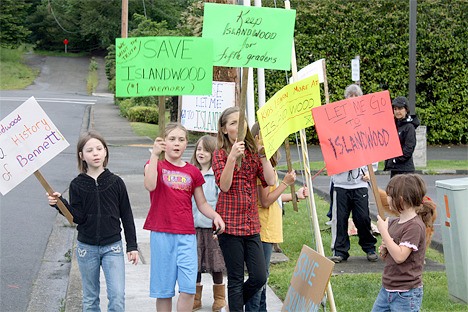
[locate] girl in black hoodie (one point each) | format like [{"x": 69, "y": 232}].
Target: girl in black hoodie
[{"x": 98, "y": 202}]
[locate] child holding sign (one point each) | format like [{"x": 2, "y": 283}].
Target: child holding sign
[
  {"x": 403, "y": 245},
  {"x": 237, "y": 204},
  {"x": 98, "y": 202},
  {"x": 172, "y": 182}
]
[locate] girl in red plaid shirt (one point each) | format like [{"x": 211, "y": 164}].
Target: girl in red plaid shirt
[{"x": 237, "y": 206}]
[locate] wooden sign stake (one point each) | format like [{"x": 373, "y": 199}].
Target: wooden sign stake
[
  {"x": 243, "y": 100},
  {"x": 288, "y": 162},
  {"x": 49, "y": 190},
  {"x": 375, "y": 191},
  {"x": 162, "y": 120}
]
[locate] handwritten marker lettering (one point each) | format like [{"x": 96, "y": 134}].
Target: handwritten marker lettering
[
  {"x": 4, "y": 129},
  {"x": 30, "y": 130},
  {"x": 48, "y": 140}
]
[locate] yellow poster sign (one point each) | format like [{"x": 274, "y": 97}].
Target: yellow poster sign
[{"x": 288, "y": 111}]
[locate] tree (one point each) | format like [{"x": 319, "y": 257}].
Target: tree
[{"x": 13, "y": 31}]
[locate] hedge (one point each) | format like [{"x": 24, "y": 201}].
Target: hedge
[{"x": 378, "y": 31}]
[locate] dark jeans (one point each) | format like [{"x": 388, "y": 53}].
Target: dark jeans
[
  {"x": 258, "y": 302},
  {"x": 357, "y": 202},
  {"x": 238, "y": 250}
]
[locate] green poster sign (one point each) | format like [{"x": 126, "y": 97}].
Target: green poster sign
[
  {"x": 147, "y": 66},
  {"x": 245, "y": 36}
]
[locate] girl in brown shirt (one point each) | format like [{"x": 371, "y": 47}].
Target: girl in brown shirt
[{"x": 403, "y": 245}]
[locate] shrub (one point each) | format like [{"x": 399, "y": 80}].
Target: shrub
[
  {"x": 378, "y": 31},
  {"x": 125, "y": 105},
  {"x": 143, "y": 114}
]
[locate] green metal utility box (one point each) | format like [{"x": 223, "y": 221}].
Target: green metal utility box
[{"x": 452, "y": 213}]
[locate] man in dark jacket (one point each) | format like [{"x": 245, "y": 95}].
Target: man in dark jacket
[{"x": 406, "y": 126}]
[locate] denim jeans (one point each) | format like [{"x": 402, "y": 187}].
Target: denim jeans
[
  {"x": 111, "y": 257},
  {"x": 399, "y": 300},
  {"x": 258, "y": 301},
  {"x": 238, "y": 250}
]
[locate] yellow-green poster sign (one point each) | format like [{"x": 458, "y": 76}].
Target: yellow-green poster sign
[
  {"x": 288, "y": 111},
  {"x": 148, "y": 66},
  {"x": 245, "y": 36}
]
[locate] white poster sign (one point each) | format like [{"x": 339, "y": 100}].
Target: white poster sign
[
  {"x": 310, "y": 70},
  {"x": 201, "y": 113},
  {"x": 28, "y": 140}
]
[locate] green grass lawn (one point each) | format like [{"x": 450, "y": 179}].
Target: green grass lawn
[
  {"x": 352, "y": 292},
  {"x": 15, "y": 75}
]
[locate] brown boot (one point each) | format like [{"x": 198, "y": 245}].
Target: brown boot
[
  {"x": 197, "y": 302},
  {"x": 219, "y": 295},
  {"x": 277, "y": 248}
]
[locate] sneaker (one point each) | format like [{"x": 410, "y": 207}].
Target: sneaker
[
  {"x": 337, "y": 259},
  {"x": 372, "y": 256}
]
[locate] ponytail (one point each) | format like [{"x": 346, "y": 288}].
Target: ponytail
[{"x": 427, "y": 212}]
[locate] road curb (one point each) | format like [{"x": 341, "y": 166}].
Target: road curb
[{"x": 73, "y": 302}]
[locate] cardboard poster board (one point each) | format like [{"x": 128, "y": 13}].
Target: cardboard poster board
[
  {"x": 201, "y": 112},
  {"x": 147, "y": 66},
  {"x": 28, "y": 140},
  {"x": 309, "y": 281},
  {"x": 357, "y": 131},
  {"x": 245, "y": 36},
  {"x": 288, "y": 111}
]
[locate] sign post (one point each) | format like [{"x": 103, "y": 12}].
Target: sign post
[
  {"x": 355, "y": 70},
  {"x": 65, "y": 42}
]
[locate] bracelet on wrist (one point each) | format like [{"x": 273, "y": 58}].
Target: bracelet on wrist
[{"x": 282, "y": 182}]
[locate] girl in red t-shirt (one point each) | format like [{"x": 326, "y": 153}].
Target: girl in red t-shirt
[{"x": 171, "y": 183}]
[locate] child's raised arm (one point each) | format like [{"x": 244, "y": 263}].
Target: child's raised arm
[
  {"x": 267, "y": 198},
  {"x": 207, "y": 210},
  {"x": 268, "y": 171},
  {"x": 151, "y": 169}
]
